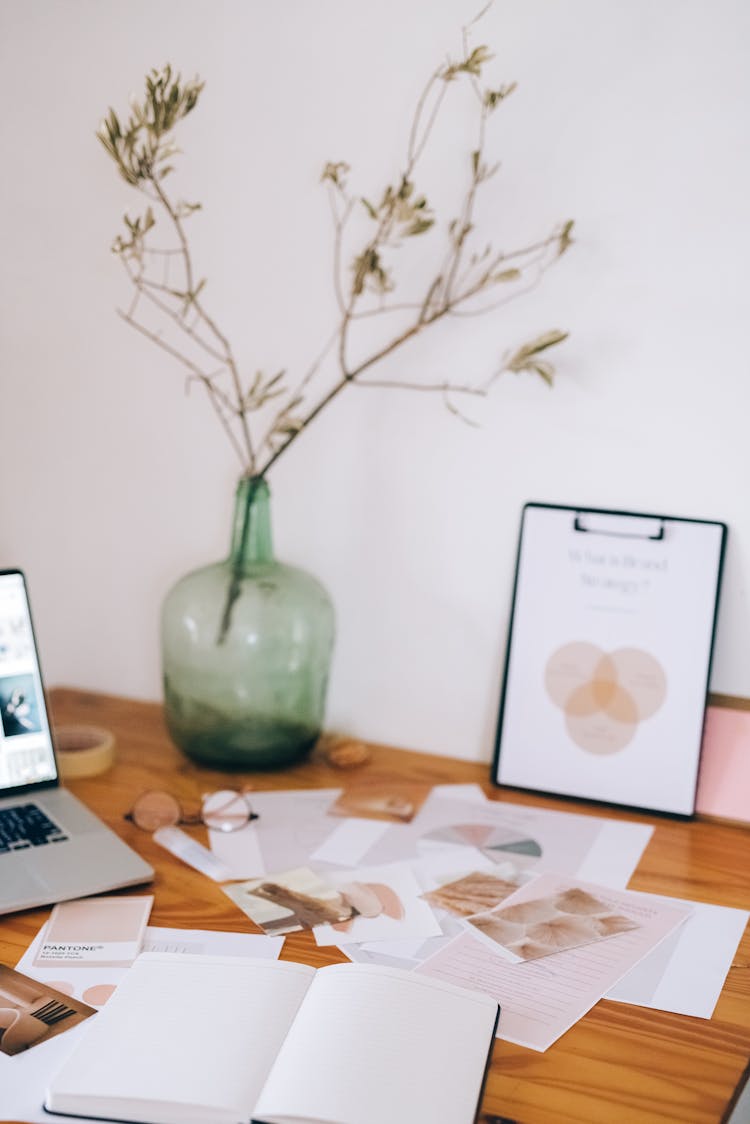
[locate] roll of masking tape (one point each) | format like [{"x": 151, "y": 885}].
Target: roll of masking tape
[{"x": 83, "y": 751}]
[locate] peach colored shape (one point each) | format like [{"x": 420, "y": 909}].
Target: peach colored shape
[
  {"x": 598, "y": 733},
  {"x": 98, "y": 994},
  {"x": 604, "y": 695},
  {"x": 642, "y": 677},
  {"x": 392, "y": 906},
  {"x": 570, "y": 667}
]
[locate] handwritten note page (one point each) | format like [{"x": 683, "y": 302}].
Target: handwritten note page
[{"x": 541, "y": 999}]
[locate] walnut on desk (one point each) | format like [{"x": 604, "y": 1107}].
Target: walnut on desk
[{"x": 619, "y": 1063}]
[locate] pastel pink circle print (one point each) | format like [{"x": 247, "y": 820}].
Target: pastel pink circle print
[
  {"x": 643, "y": 678},
  {"x": 604, "y": 695},
  {"x": 570, "y": 667},
  {"x": 598, "y": 733}
]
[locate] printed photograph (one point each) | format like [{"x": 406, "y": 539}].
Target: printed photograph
[
  {"x": 19, "y": 711},
  {"x": 369, "y": 899},
  {"x": 474, "y": 893},
  {"x": 543, "y": 926},
  {"x": 33, "y": 1012},
  {"x": 289, "y": 902},
  {"x": 394, "y": 805},
  {"x": 386, "y": 906}
]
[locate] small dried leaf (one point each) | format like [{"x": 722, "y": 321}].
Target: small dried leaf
[
  {"x": 335, "y": 173},
  {"x": 541, "y": 343},
  {"x": 492, "y": 98},
  {"x": 276, "y": 378},
  {"x": 419, "y": 226},
  {"x": 507, "y": 275},
  {"x": 546, "y": 371},
  {"x": 565, "y": 239},
  {"x": 472, "y": 64}
]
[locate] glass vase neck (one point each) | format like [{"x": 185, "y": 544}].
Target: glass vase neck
[{"x": 252, "y": 543}]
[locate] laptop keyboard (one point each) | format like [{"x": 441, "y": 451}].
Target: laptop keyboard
[{"x": 26, "y": 825}]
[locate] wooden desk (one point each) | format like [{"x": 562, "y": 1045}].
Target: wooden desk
[{"x": 618, "y": 1064}]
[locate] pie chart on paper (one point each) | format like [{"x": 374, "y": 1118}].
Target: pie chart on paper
[{"x": 497, "y": 843}]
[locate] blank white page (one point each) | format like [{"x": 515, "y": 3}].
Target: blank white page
[
  {"x": 194, "y": 1031},
  {"x": 372, "y": 1044}
]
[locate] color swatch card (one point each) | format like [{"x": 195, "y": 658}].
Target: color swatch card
[
  {"x": 609, "y": 654},
  {"x": 104, "y": 931}
]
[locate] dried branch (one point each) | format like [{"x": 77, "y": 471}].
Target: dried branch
[{"x": 279, "y": 407}]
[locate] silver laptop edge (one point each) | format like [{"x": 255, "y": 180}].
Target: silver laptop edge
[{"x": 69, "y": 852}]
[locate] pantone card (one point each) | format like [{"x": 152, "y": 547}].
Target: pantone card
[{"x": 104, "y": 931}]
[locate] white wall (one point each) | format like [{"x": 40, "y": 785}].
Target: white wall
[{"x": 632, "y": 118}]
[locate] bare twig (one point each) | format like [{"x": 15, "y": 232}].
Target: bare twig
[{"x": 143, "y": 149}]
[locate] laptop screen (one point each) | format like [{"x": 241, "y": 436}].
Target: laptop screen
[{"x": 26, "y": 753}]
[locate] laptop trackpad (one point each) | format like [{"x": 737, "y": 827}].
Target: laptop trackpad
[{"x": 19, "y": 883}]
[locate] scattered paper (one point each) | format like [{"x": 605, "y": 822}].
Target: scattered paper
[
  {"x": 24, "y": 1078},
  {"x": 546, "y": 925},
  {"x": 207, "y": 942},
  {"x": 473, "y": 893},
  {"x": 291, "y": 825},
  {"x": 686, "y": 973},
  {"x": 290, "y": 901},
  {"x": 296, "y": 829},
  {"x": 394, "y": 804},
  {"x": 32, "y": 1012},
  {"x": 431, "y": 872},
  {"x": 387, "y": 907},
  {"x": 586, "y": 847},
  {"x": 348, "y": 842},
  {"x": 541, "y": 999}
]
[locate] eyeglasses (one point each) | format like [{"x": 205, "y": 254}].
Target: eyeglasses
[{"x": 226, "y": 810}]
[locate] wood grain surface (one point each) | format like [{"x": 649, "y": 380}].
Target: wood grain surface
[{"x": 620, "y": 1063}]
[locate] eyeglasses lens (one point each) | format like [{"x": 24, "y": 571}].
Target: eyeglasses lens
[
  {"x": 225, "y": 811},
  {"x": 154, "y": 810}
]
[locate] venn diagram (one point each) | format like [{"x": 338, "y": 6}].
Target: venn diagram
[{"x": 604, "y": 695}]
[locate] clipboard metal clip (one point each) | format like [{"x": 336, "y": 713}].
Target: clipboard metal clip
[{"x": 619, "y": 526}]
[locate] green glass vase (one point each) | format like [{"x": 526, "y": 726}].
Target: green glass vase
[{"x": 246, "y": 649}]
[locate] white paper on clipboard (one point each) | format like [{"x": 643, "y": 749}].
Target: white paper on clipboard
[{"x": 609, "y": 654}]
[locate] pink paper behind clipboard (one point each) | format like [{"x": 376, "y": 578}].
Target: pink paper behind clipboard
[{"x": 724, "y": 778}]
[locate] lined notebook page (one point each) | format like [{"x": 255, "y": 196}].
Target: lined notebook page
[
  {"x": 199, "y": 1031},
  {"x": 373, "y": 1044}
]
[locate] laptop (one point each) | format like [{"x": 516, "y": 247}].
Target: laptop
[{"x": 51, "y": 846}]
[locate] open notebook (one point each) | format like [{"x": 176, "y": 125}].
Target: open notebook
[{"x": 219, "y": 1040}]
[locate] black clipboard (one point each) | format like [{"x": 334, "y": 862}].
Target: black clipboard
[{"x": 608, "y": 657}]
